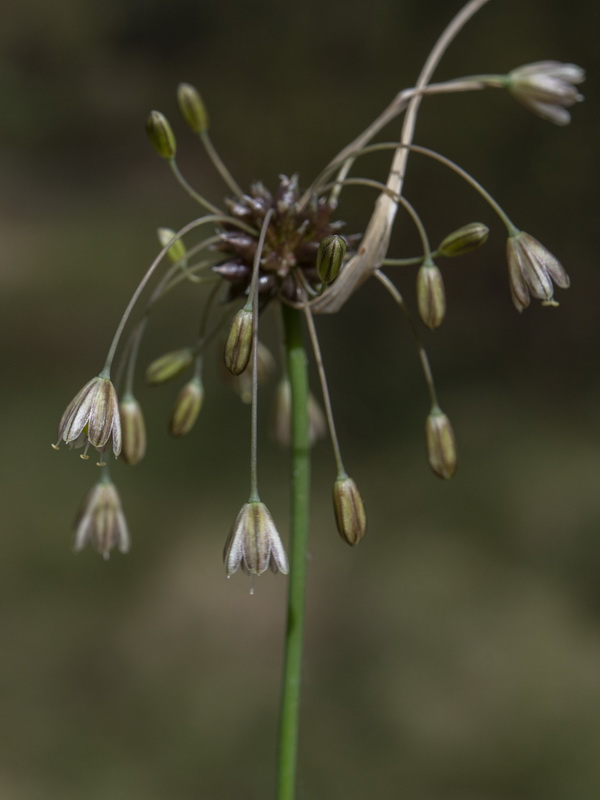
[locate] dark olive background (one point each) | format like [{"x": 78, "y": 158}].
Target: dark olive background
[{"x": 454, "y": 655}]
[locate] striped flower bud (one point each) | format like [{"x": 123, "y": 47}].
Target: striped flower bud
[
  {"x": 238, "y": 347},
  {"x": 463, "y": 240},
  {"x": 133, "y": 430},
  {"x": 192, "y": 108},
  {"x": 254, "y": 543},
  {"x": 441, "y": 446},
  {"x": 177, "y": 251},
  {"x": 169, "y": 366},
  {"x": 349, "y": 510},
  {"x": 187, "y": 407},
  {"x": 431, "y": 297},
  {"x": 242, "y": 383},
  {"x": 330, "y": 257},
  {"x": 161, "y": 136}
]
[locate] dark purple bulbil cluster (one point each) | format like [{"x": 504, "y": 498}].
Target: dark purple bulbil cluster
[{"x": 291, "y": 243}]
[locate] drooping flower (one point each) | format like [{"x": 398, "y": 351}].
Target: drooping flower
[
  {"x": 547, "y": 88},
  {"x": 532, "y": 269},
  {"x": 254, "y": 543},
  {"x": 101, "y": 521},
  {"x": 92, "y": 418}
]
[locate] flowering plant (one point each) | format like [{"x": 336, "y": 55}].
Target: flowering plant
[{"x": 287, "y": 248}]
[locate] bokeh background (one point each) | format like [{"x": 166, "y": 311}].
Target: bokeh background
[{"x": 455, "y": 655}]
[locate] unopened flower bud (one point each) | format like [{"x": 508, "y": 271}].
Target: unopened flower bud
[
  {"x": 133, "y": 430},
  {"x": 177, "y": 251},
  {"x": 465, "y": 239},
  {"x": 192, "y": 108},
  {"x": 169, "y": 366},
  {"x": 330, "y": 257},
  {"x": 254, "y": 543},
  {"x": 161, "y": 136},
  {"x": 187, "y": 407},
  {"x": 242, "y": 383},
  {"x": 431, "y": 297},
  {"x": 441, "y": 446},
  {"x": 238, "y": 347},
  {"x": 349, "y": 511}
]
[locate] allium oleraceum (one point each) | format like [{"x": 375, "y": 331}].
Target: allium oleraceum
[
  {"x": 286, "y": 246},
  {"x": 101, "y": 520},
  {"x": 547, "y": 88}
]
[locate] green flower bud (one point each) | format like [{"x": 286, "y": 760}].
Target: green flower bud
[
  {"x": 441, "y": 446},
  {"x": 431, "y": 297},
  {"x": 187, "y": 407},
  {"x": 238, "y": 347},
  {"x": 169, "y": 366},
  {"x": 133, "y": 430},
  {"x": 242, "y": 383},
  {"x": 177, "y": 251},
  {"x": 192, "y": 108},
  {"x": 349, "y": 511},
  {"x": 465, "y": 239},
  {"x": 330, "y": 257},
  {"x": 160, "y": 134}
]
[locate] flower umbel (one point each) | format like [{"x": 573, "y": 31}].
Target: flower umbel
[
  {"x": 101, "y": 521},
  {"x": 92, "y": 418},
  {"x": 283, "y": 249},
  {"x": 254, "y": 543},
  {"x": 531, "y": 270},
  {"x": 547, "y": 87}
]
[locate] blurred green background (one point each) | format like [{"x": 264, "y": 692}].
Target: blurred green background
[{"x": 455, "y": 655}]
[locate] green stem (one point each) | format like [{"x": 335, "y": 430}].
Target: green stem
[{"x": 300, "y": 471}]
